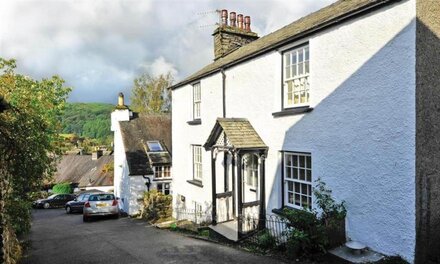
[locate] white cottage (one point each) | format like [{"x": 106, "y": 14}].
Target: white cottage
[
  {"x": 142, "y": 155},
  {"x": 348, "y": 94}
]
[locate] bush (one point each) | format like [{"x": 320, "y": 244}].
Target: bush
[
  {"x": 62, "y": 188},
  {"x": 20, "y": 212},
  {"x": 156, "y": 206},
  {"x": 266, "y": 241},
  {"x": 309, "y": 229}
]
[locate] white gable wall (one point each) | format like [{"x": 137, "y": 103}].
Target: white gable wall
[{"x": 361, "y": 133}]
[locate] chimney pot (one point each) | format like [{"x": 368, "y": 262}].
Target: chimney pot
[
  {"x": 224, "y": 17},
  {"x": 240, "y": 21},
  {"x": 233, "y": 19},
  {"x": 121, "y": 99},
  {"x": 247, "y": 23}
]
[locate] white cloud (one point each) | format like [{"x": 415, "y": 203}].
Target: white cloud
[{"x": 97, "y": 46}]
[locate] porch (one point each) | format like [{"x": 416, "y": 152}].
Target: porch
[{"x": 238, "y": 178}]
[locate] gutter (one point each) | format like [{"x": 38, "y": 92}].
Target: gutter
[{"x": 353, "y": 14}]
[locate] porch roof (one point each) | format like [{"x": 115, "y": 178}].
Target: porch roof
[{"x": 239, "y": 133}]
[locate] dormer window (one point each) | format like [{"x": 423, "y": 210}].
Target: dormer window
[
  {"x": 296, "y": 77},
  {"x": 154, "y": 146}
]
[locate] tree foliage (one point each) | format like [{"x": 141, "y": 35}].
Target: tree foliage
[
  {"x": 61, "y": 188},
  {"x": 28, "y": 149},
  {"x": 89, "y": 120},
  {"x": 149, "y": 94}
]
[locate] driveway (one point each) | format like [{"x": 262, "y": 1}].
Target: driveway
[{"x": 60, "y": 238}]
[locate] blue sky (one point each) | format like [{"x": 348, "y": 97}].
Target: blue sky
[{"x": 100, "y": 46}]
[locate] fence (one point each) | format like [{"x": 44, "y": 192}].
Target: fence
[
  {"x": 196, "y": 216},
  {"x": 272, "y": 224}
]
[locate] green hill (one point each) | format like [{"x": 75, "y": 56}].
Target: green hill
[{"x": 88, "y": 120}]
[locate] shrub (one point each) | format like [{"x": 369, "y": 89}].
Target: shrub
[
  {"x": 156, "y": 206},
  {"x": 62, "y": 188},
  {"x": 266, "y": 241},
  {"x": 309, "y": 229}
]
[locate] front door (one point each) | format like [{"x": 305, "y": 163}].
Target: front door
[{"x": 250, "y": 178}]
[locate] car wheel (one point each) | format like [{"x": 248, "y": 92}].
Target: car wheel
[
  {"x": 85, "y": 218},
  {"x": 68, "y": 210},
  {"x": 46, "y": 205}
]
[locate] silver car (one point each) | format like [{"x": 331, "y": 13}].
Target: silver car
[{"x": 100, "y": 204}]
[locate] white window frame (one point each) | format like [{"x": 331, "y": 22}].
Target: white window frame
[
  {"x": 296, "y": 74},
  {"x": 196, "y": 101},
  {"x": 298, "y": 182},
  {"x": 161, "y": 171},
  {"x": 197, "y": 162}
]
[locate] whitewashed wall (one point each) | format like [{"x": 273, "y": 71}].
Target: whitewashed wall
[{"x": 361, "y": 133}]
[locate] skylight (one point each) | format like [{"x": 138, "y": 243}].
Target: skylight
[{"x": 154, "y": 146}]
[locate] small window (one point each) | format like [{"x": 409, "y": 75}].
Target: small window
[
  {"x": 162, "y": 172},
  {"x": 197, "y": 100},
  {"x": 197, "y": 162},
  {"x": 298, "y": 180},
  {"x": 250, "y": 168},
  {"x": 296, "y": 69},
  {"x": 154, "y": 146},
  {"x": 163, "y": 188}
]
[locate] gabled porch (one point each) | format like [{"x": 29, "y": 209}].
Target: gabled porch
[{"x": 238, "y": 178}]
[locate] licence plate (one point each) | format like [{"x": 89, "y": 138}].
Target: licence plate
[{"x": 101, "y": 205}]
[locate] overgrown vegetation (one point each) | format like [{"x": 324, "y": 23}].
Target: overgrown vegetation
[
  {"x": 88, "y": 121},
  {"x": 310, "y": 229},
  {"x": 157, "y": 207},
  {"x": 29, "y": 130},
  {"x": 61, "y": 188}
]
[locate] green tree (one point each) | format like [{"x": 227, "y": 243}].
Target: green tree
[
  {"x": 149, "y": 94},
  {"x": 28, "y": 147}
]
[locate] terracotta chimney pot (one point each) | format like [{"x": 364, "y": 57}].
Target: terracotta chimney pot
[
  {"x": 240, "y": 21},
  {"x": 224, "y": 17},
  {"x": 121, "y": 99},
  {"x": 247, "y": 23},
  {"x": 233, "y": 19}
]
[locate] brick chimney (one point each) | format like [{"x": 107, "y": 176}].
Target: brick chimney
[{"x": 228, "y": 38}]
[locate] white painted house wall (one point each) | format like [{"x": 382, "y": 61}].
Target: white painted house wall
[{"x": 361, "y": 133}]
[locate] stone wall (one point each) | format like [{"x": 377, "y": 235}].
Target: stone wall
[{"x": 228, "y": 39}]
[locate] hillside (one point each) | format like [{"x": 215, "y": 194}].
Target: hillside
[{"x": 88, "y": 120}]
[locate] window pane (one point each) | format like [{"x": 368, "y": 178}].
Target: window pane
[
  {"x": 288, "y": 173},
  {"x": 304, "y": 188},
  {"x": 300, "y": 56},
  {"x": 302, "y": 161},
  {"x": 309, "y": 162},
  {"x": 297, "y": 186},
  {"x": 287, "y": 58},
  {"x": 302, "y": 174},
  {"x": 295, "y": 173},
  {"x": 307, "y": 55},
  {"x": 294, "y": 57},
  {"x": 297, "y": 200},
  {"x": 288, "y": 160},
  {"x": 300, "y": 68},
  {"x": 294, "y": 70},
  {"x": 307, "y": 68},
  {"x": 290, "y": 197},
  {"x": 309, "y": 176},
  {"x": 287, "y": 72},
  {"x": 295, "y": 160}
]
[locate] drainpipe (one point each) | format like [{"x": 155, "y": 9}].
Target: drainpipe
[{"x": 224, "y": 91}]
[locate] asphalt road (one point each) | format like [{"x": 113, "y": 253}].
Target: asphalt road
[{"x": 60, "y": 238}]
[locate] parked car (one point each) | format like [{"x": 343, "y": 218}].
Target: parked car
[
  {"x": 77, "y": 204},
  {"x": 55, "y": 200},
  {"x": 100, "y": 204}
]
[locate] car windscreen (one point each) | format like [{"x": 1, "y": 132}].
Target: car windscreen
[
  {"x": 52, "y": 196},
  {"x": 101, "y": 197}
]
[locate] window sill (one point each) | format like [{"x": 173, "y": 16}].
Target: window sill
[
  {"x": 163, "y": 179},
  {"x": 194, "y": 122},
  {"x": 293, "y": 111},
  {"x": 195, "y": 182}
]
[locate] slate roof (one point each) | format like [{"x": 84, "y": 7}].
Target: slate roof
[
  {"x": 83, "y": 170},
  {"x": 323, "y": 18},
  {"x": 239, "y": 133},
  {"x": 136, "y": 133}
]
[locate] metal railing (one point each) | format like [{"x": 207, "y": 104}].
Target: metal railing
[{"x": 196, "y": 216}]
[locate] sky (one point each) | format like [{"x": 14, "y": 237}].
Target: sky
[{"x": 99, "y": 46}]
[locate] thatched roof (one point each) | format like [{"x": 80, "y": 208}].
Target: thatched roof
[
  {"x": 333, "y": 14},
  {"x": 83, "y": 170},
  {"x": 136, "y": 133}
]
